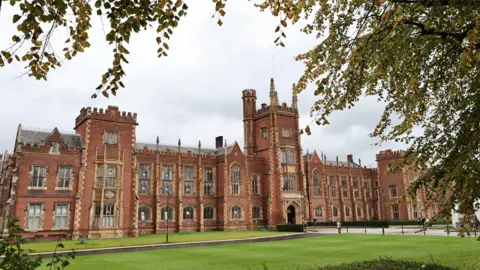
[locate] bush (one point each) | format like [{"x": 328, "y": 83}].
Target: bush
[
  {"x": 290, "y": 227},
  {"x": 414, "y": 222},
  {"x": 386, "y": 264},
  {"x": 372, "y": 223}
]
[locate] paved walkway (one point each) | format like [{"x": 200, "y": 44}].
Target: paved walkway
[
  {"x": 394, "y": 230},
  {"x": 289, "y": 236}
]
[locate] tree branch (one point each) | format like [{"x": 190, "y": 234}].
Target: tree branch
[
  {"x": 430, "y": 31},
  {"x": 432, "y": 3}
]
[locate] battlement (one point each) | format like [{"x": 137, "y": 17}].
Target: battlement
[
  {"x": 387, "y": 154},
  {"x": 264, "y": 109},
  {"x": 249, "y": 93},
  {"x": 110, "y": 114}
]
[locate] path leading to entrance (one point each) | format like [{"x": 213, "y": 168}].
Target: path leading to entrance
[{"x": 97, "y": 251}]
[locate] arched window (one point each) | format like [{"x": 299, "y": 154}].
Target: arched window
[
  {"x": 347, "y": 211},
  {"x": 317, "y": 190},
  {"x": 236, "y": 212},
  {"x": 208, "y": 212},
  {"x": 166, "y": 212},
  {"x": 318, "y": 211},
  {"x": 188, "y": 213},
  {"x": 256, "y": 212},
  {"x": 235, "y": 179},
  {"x": 255, "y": 185},
  {"x": 144, "y": 179},
  {"x": 335, "y": 211},
  {"x": 144, "y": 213}
]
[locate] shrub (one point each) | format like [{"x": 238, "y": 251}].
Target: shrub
[
  {"x": 387, "y": 264},
  {"x": 414, "y": 222},
  {"x": 290, "y": 227},
  {"x": 372, "y": 223}
]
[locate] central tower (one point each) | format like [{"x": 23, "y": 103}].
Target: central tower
[{"x": 271, "y": 132}]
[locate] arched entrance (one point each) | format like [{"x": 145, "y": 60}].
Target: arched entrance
[{"x": 291, "y": 216}]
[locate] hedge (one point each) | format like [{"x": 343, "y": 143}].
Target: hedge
[
  {"x": 372, "y": 223},
  {"x": 290, "y": 227},
  {"x": 415, "y": 222},
  {"x": 387, "y": 264}
]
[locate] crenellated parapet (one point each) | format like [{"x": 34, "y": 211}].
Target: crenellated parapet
[
  {"x": 249, "y": 93},
  {"x": 35, "y": 147},
  {"x": 389, "y": 154},
  {"x": 110, "y": 114}
]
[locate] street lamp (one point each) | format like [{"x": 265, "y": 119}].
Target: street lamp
[{"x": 166, "y": 211}]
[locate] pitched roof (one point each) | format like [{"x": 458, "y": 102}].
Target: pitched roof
[
  {"x": 33, "y": 137},
  {"x": 183, "y": 149},
  {"x": 334, "y": 162}
]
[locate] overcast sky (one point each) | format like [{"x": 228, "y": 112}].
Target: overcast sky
[{"x": 193, "y": 94}]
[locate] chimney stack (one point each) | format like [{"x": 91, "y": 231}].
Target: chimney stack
[
  {"x": 219, "y": 142},
  {"x": 350, "y": 158}
]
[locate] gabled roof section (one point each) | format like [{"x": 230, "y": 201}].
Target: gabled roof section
[
  {"x": 309, "y": 158},
  {"x": 36, "y": 137}
]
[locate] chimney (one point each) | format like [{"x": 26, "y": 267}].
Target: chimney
[
  {"x": 350, "y": 158},
  {"x": 219, "y": 142}
]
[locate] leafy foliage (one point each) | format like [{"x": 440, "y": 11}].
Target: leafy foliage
[
  {"x": 419, "y": 57},
  {"x": 16, "y": 257}
]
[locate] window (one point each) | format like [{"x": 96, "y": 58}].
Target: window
[
  {"x": 256, "y": 212},
  {"x": 188, "y": 183},
  {"x": 167, "y": 179},
  {"x": 393, "y": 191},
  {"x": 54, "y": 149},
  {"x": 144, "y": 213},
  {"x": 371, "y": 212},
  {"x": 255, "y": 190},
  {"x": 110, "y": 178},
  {"x": 38, "y": 178},
  {"x": 318, "y": 211},
  {"x": 335, "y": 211},
  {"x": 96, "y": 217},
  {"x": 344, "y": 185},
  {"x": 317, "y": 191},
  {"x": 235, "y": 178},
  {"x": 356, "y": 192},
  {"x": 366, "y": 188},
  {"x": 395, "y": 212},
  {"x": 64, "y": 176},
  {"x": 208, "y": 181},
  {"x": 168, "y": 212},
  {"x": 434, "y": 209},
  {"x": 263, "y": 133},
  {"x": 332, "y": 186},
  {"x": 111, "y": 137},
  {"x": 208, "y": 212},
  {"x": 359, "y": 211},
  {"x": 188, "y": 213},
  {"x": 286, "y": 132},
  {"x": 415, "y": 211},
  {"x": 144, "y": 174},
  {"x": 289, "y": 182},
  {"x": 61, "y": 215},
  {"x": 108, "y": 215},
  {"x": 34, "y": 216},
  {"x": 347, "y": 211},
  {"x": 236, "y": 212},
  {"x": 288, "y": 156}
]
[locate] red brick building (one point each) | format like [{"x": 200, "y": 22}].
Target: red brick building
[{"x": 98, "y": 181}]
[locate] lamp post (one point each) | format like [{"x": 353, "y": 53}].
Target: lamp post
[{"x": 166, "y": 211}]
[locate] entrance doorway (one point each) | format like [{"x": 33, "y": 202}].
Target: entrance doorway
[{"x": 291, "y": 214}]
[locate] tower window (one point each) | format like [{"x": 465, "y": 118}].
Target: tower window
[
  {"x": 111, "y": 137},
  {"x": 263, "y": 133},
  {"x": 286, "y": 132}
]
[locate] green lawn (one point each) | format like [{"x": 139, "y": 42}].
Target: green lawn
[
  {"x": 149, "y": 239},
  {"x": 306, "y": 253}
]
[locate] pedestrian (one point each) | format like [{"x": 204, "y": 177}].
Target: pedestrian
[
  {"x": 305, "y": 225},
  {"x": 315, "y": 222},
  {"x": 339, "y": 227}
]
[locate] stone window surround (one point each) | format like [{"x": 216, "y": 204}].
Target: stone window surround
[
  {"x": 235, "y": 164},
  {"x": 162, "y": 209},
  {"x": 314, "y": 171},
  {"x": 193, "y": 181},
  {"x": 45, "y": 181},
  {"x": 150, "y": 218},
  {"x": 108, "y": 130},
  {"x": 193, "y": 214},
  {"x": 172, "y": 181},
  {"x": 259, "y": 190},
  {"x": 150, "y": 178},
  {"x": 57, "y": 148},
  {"x": 315, "y": 211},
  {"x": 42, "y": 216},
  {"x": 69, "y": 208},
  {"x": 70, "y": 187},
  {"x": 242, "y": 212},
  {"x": 349, "y": 210}
]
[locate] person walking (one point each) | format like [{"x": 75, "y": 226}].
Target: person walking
[
  {"x": 339, "y": 227},
  {"x": 305, "y": 225},
  {"x": 315, "y": 222}
]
